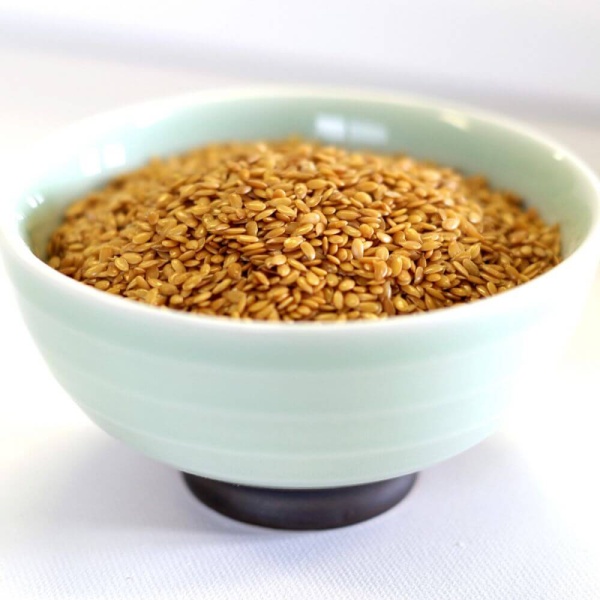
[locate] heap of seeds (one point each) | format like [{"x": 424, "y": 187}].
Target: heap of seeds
[{"x": 298, "y": 231}]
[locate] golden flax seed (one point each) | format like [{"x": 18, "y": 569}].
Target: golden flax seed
[{"x": 292, "y": 230}]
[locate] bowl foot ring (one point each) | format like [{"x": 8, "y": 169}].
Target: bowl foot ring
[{"x": 300, "y": 509}]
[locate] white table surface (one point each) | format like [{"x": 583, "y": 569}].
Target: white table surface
[{"x": 82, "y": 516}]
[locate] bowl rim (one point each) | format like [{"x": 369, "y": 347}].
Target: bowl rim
[{"x": 85, "y": 129}]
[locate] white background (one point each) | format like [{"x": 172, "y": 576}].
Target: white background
[
  {"x": 538, "y": 53},
  {"x": 82, "y": 516}
]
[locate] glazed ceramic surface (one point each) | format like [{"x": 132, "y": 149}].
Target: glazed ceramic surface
[{"x": 301, "y": 404}]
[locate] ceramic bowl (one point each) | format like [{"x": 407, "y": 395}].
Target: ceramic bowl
[{"x": 299, "y": 405}]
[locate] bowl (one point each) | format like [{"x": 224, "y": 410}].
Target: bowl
[{"x": 341, "y": 414}]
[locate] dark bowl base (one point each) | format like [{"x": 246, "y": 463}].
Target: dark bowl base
[{"x": 300, "y": 509}]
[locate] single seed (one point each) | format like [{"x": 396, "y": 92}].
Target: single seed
[
  {"x": 121, "y": 264},
  {"x": 168, "y": 289},
  {"x": 346, "y": 285},
  {"x": 451, "y": 224},
  {"x": 363, "y": 198},
  {"x": 142, "y": 238},
  {"x": 308, "y": 250},
  {"x": 316, "y": 184},
  {"x": 247, "y": 239},
  {"x": 411, "y": 245},
  {"x": 312, "y": 279},
  {"x": 357, "y": 248},
  {"x": 384, "y": 237},
  {"x": 292, "y": 243},
  {"x": 395, "y": 265},
  {"x": 338, "y": 300},
  {"x": 304, "y": 229},
  {"x": 379, "y": 270},
  {"x": 370, "y": 307},
  {"x": 351, "y": 300},
  {"x": 276, "y": 261}
]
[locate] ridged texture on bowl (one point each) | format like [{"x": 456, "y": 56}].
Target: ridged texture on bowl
[{"x": 313, "y": 411}]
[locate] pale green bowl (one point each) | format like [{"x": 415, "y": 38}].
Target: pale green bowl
[{"x": 303, "y": 404}]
